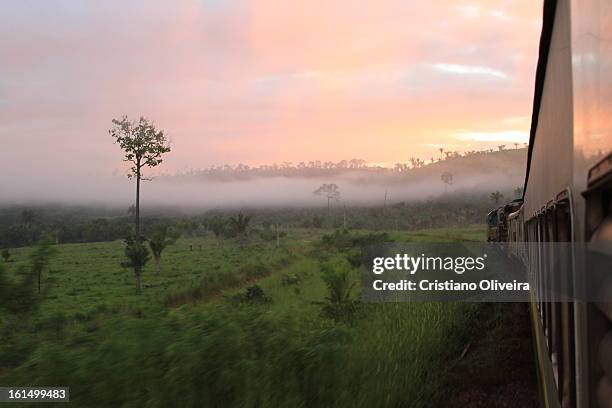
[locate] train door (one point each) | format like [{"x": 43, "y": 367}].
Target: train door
[{"x": 598, "y": 229}]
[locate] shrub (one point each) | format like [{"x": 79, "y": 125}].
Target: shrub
[
  {"x": 252, "y": 294},
  {"x": 339, "y": 304},
  {"x": 6, "y": 255},
  {"x": 289, "y": 279}
]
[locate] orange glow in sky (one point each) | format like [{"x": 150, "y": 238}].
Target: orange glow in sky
[{"x": 264, "y": 81}]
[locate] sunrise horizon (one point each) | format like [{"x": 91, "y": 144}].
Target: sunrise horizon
[{"x": 264, "y": 82}]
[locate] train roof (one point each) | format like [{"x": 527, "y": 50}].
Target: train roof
[{"x": 550, "y": 7}]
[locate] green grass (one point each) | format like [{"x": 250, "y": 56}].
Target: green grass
[
  {"x": 116, "y": 347},
  {"x": 86, "y": 277}
]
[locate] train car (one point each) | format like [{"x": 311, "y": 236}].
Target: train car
[
  {"x": 568, "y": 198},
  {"x": 497, "y": 221},
  {"x": 492, "y": 232},
  {"x": 516, "y": 234}
]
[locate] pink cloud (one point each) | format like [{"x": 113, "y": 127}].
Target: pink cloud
[{"x": 260, "y": 81}]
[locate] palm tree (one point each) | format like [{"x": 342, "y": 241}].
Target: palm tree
[
  {"x": 158, "y": 242},
  {"x": 218, "y": 226},
  {"x": 447, "y": 179},
  {"x": 240, "y": 224},
  {"x": 496, "y": 197}
]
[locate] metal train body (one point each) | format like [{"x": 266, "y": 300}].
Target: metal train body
[{"x": 568, "y": 198}]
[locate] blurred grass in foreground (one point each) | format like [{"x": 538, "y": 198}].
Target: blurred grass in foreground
[{"x": 114, "y": 347}]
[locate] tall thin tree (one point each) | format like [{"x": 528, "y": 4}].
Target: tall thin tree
[
  {"x": 40, "y": 257},
  {"x": 144, "y": 146}
]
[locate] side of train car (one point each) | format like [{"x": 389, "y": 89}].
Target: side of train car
[{"x": 568, "y": 198}]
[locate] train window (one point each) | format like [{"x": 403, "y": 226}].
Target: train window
[
  {"x": 547, "y": 284},
  {"x": 540, "y": 267},
  {"x": 492, "y": 219},
  {"x": 553, "y": 305},
  {"x": 567, "y": 350}
]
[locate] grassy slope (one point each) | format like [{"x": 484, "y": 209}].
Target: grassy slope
[{"x": 95, "y": 333}]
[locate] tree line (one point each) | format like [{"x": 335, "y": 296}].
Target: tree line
[{"x": 318, "y": 168}]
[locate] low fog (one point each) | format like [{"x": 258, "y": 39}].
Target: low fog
[{"x": 255, "y": 192}]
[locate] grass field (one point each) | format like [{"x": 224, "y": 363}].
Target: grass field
[{"x": 198, "y": 336}]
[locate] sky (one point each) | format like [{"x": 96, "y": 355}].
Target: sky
[{"x": 261, "y": 81}]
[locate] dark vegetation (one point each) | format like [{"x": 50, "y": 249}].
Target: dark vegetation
[{"x": 76, "y": 225}]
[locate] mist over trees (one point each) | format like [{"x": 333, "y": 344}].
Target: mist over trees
[
  {"x": 330, "y": 191},
  {"x": 496, "y": 197},
  {"x": 364, "y": 186},
  {"x": 447, "y": 179},
  {"x": 319, "y": 168}
]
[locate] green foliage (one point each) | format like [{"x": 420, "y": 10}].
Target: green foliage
[
  {"x": 270, "y": 234},
  {"x": 18, "y": 302},
  {"x": 6, "y": 255},
  {"x": 27, "y": 217},
  {"x": 217, "y": 225},
  {"x": 217, "y": 280},
  {"x": 289, "y": 279},
  {"x": 252, "y": 294},
  {"x": 77, "y": 225},
  {"x": 136, "y": 252},
  {"x": 239, "y": 224},
  {"x": 115, "y": 347},
  {"x": 40, "y": 257},
  {"x": 17, "y": 296},
  {"x": 343, "y": 240},
  {"x": 137, "y": 256},
  {"x": 159, "y": 240},
  {"x": 340, "y": 305},
  {"x": 142, "y": 143}
]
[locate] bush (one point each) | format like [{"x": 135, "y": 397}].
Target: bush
[
  {"x": 289, "y": 279},
  {"x": 253, "y": 294},
  {"x": 6, "y": 255},
  {"x": 339, "y": 304}
]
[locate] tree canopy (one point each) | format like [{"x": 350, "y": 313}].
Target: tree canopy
[{"x": 142, "y": 143}]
